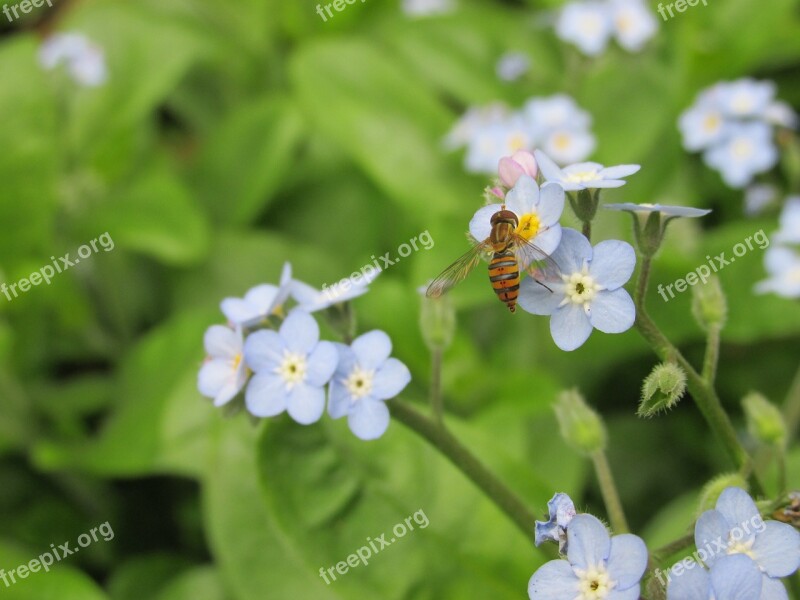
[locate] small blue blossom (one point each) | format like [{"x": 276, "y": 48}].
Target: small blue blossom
[
  {"x": 747, "y": 150},
  {"x": 733, "y": 577},
  {"x": 224, "y": 373},
  {"x": 745, "y": 98},
  {"x": 783, "y": 267},
  {"x": 84, "y": 60},
  {"x": 312, "y": 300},
  {"x": 590, "y": 294},
  {"x": 427, "y": 8},
  {"x": 550, "y": 113},
  {"x": 291, "y": 369},
  {"x": 561, "y": 510},
  {"x": 583, "y": 176},
  {"x": 598, "y": 567},
  {"x": 512, "y": 65},
  {"x": 634, "y": 23},
  {"x": 665, "y": 209},
  {"x": 702, "y": 126},
  {"x": 538, "y": 212},
  {"x": 789, "y": 230},
  {"x": 587, "y": 25},
  {"x": 365, "y": 378},
  {"x": 493, "y": 142},
  {"x": 259, "y": 302},
  {"x": 735, "y": 526}
]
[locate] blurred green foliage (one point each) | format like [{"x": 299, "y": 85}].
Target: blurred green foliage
[{"x": 231, "y": 137}]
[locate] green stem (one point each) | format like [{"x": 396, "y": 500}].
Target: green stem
[
  {"x": 587, "y": 230},
  {"x": 467, "y": 463},
  {"x": 711, "y": 359},
  {"x": 703, "y": 393},
  {"x": 437, "y": 405},
  {"x": 608, "y": 489},
  {"x": 791, "y": 407},
  {"x": 664, "y": 552}
]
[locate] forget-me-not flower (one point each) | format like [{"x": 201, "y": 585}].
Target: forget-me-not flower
[
  {"x": 666, "y": 210},
  {"x": 567, "y": 145},
  {"x": 747, "y": 149},
  {"x": 365, "y": 378},
  {"x": 702, "y": 125},
  {"x": 558, "y": 111},
  {"x": 583, "y": 176},
  {"x": 789, "y": 230},
  {"x": 735, "y": 526},
  {"x": 224, "y": 373},
  {"x": 561, "y": 510},
  {"x": 598, "y": 567},
  {"x": 733, "y": 577},
  {"x": 783, "y": 267},
  {"x": 538, "y": 212},
  {"x": 745, "y": 98},
  {"x": 590, "y": 294},
  {"x": 495, "y": 141},
  {"x": 587, "y": 25},
  {"x": 634, "y": 23},
  {"x": 259, "y": 302},
  {"x": 312, "y": 300},
  {"x": 291, "y": 369},
  {"x": 85, "y": 61}
]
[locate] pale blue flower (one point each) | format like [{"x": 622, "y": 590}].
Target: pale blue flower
[
  {"x": 224, "y": 373},
  {"x": 664, "y": 209},
  {"x": 493, "y": 142},
  {"x": 312, "y": 300},
  {"x": 550, "y": 113},
  {"x": 587, "y": 25},
  {"x": 745, "y": 98},
  {"x": 84, "y": 60},
  {"x": 538, "y": 212},
  {"x": 597, "y": 567},
  {"x": 561, "y": 510},
  {"x": 702, "y": 125},
  {"x": 259, "y": 302},
  {"x": 427, "y": 8},
  {"x": 733, "y": 577},
  {"x": 789, "y": 230},
  {"x": 291, "y": 369},
  {"x": 583, "y": 176},
  {"x": 590, "y": 293},
  {"x": 758, "y": 196},
  {"x": 473, "y": 121},
  {"x": 512, "y": 65},
  {"x": 783, "y": 266},
  {"x": 735, "y": 526},
  {"x": 365, "y": 378},
  {"x": 748, "y": 149},
  {"x": 634, "y": 23},
  {"x": 567, "y": 145},
  {"x": 781, "y": 114}
]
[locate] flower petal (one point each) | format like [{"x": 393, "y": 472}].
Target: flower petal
[
  {"x": 612, "y": 264},
  {"x": 548, "y": 168},
  {"x": 551, "y": 203},
  {"x": 632, "y": 593},
  {"x": 710, "y": 531},
  {"x": 589, "y": 542},
  {"x": 369, "y": 419},
  {"x": 691, "y": 584},
  {"x": 372, "y": 348},
  {"x": 736, "y": 577},
  {"x": 238, "y": 311},
  {"x": 480, "y": 226},
  {"x": 300, "y": 332},
  {"x": 339, "y": 400},
  {"x": 570, "y": 327},
  {"x": 537, "y": 299},
  {"x": 627, "y": 560},
  {"x": 266, "y": 395},
  {"x": 547, "y": 241},
  {"x": 306, "y": 403},
  {"x": 509, "y": 171},
  {"x": 523, "y": 197},
  {"x": 777, "y": 549},
  {"x": 573, "y": 251},
  {"x": 619, "y": 171},
  {"x": 612, "y": 312},
  {"x": 554, "y": 580},
  {"x": 222, "y": 342},
  {"x": 390, "y": 379},
  {"x": 263, "y": 350},
  {"x": 213, "y": 376},
  {"x": 322, "y": 363},
  {"x": 772, "y": 589},
  {"x": 738, "y": 508},
  {"x": 261, "y": 297}
]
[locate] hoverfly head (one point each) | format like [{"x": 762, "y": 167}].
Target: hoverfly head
[{"x": 505, "y": 216}]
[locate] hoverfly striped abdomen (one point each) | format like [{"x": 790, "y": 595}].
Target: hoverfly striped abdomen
[{"x": 504, "y": 275}]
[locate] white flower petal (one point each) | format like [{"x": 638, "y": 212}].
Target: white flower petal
[
  {"x": 306, "y": 403},
  {"x": 551, "y": 203},
  {"x": 554, "y": 580},
  {"x": 390, "y": 379},
  {"x": 570, "y": 327},
  {"x": 321, "y": 364},
  {"x": 372, "y": 348},
  {"x": 214, "y": 375},
  {"x": 222, "y": 342},
  {"x": 588, "y": 542},
  {"x": 619, "y": 171},
  {"x": 537, "y": 299},
  {"x": 549, "y": 169},
  {"x": 369, "y": 419},
  {"x": 263, "y": 350},
  {"x": 612, "y": 263},
  {"x": 339, "y": 399},
  {"x": 573, "y": 252},
  {"x": 266, "y": 395},
  {"x": 523, "y": 197},
  {"x": 612, "y": 312},
  {"x": 300, "y": 332}
]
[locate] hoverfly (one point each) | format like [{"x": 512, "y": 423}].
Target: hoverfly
[{"x": 508, "y": 250}]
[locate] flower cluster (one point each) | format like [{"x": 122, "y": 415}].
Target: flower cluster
[
  {"x": 555, "y": 124},
  {"x": 84, "y": 60},
  {"x": 427, "y": 8},
  {"x": 732, "y": 124},
  {"x": 782, "y": 260},
  {"x": 287, "y": 369},
  {"x": 596, "y": 566},
  {"x": 590, "y": 25},
  {"x": 746, "y": 556}
]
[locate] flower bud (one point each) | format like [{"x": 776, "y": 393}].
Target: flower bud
[
  {"x": 648, "y": 231},
  {"x": 662, "y": 389},
  {"x": 764, "y": 421},
  {"x": 584, "y": 205},
  {"x": 437, "y": 321},
  {"x": 511, "y": 168},
  {"x": 709, "y": 305},
  {"x": 712, "y": 490},
  {"x": 581, "y": 427}
]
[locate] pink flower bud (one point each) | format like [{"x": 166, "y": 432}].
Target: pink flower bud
[{"x": 511, "y": 168}]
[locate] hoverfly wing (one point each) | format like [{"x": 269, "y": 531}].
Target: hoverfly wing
[
  {"x": 458, "y": 271},
  {"x": 536, "y": 262}
]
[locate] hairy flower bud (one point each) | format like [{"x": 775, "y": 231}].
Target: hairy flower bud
[
  {"x": 662, "y": 389},
  {"x": 712, "y": 490},
  {"x": 709, "y": 305},
  {"x": 764, "y": 421},
  {"x": 581, "y": 427},
  {"x": 437, "y": 322}
]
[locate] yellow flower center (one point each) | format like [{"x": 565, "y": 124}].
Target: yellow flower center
[
  {"x": 742, "y": 103},
  {"x": 591, "y": 25},
  {"x": 293, "y": 368},
  {"x": 528, "y": 226},
  {"x": 517, "y": 141},
  {"x": 742, "y": 148},
  {"x": 359, "y": 382},
  {"x": 562, "y": 141},
  {"x": 582, "y": 176},
  {"x": 742, "y": 547},
  {"x": 624, "y": 23},
  {"x": 594, "y": 584}
]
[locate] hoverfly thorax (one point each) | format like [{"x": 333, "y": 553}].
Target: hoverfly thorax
[{"x": 504, "y": 223}]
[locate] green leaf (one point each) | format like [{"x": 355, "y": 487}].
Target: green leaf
[
  {"x": 201, "y": 583},
  {"x": 145, "y": 576}
]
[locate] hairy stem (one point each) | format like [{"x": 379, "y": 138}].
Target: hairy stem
[
  {"x": 711, "y": 359},
  {"x": 791, "y": 407},
  {"x": 437, "y": 405},
  {"x": 608, "y": 489}
]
